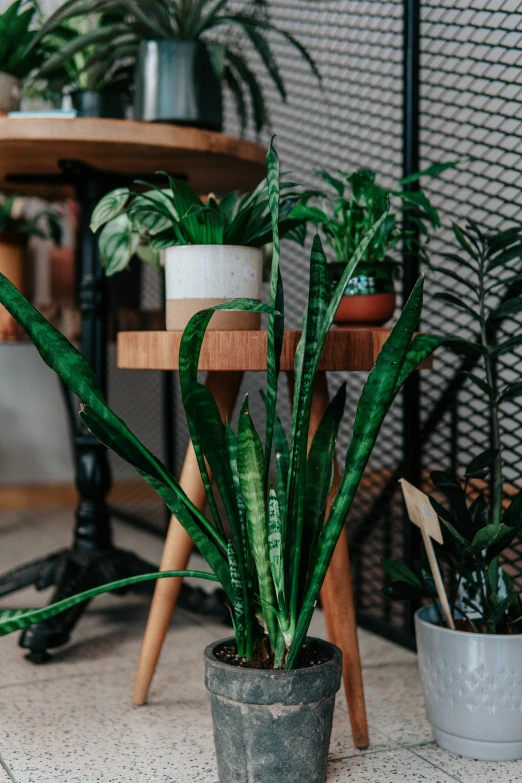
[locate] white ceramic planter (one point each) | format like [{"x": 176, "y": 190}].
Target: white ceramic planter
[
  {"x": 9, "y": 93},
  {"x": 200, "y": 276},
  {"x": 472, "y": 688}
]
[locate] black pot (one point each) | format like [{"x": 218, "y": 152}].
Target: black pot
[
  {"x": 99, "y": 103},
  {"x": 272, "y": 726},
  {"x": 175, "y": 83}
]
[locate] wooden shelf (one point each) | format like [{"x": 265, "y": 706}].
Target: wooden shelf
[
  {"x": 208, "y": 160},
  {"x": 350, "y": 348}
]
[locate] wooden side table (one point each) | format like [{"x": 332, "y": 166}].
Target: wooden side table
[{"x": 226, "y": 356}]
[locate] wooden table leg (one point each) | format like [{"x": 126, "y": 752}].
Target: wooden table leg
[
  {"x": 337, "y": 596},
  {"x": 178, "y": 545}
]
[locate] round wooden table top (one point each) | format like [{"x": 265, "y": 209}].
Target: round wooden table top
[
  {"x": 346, "y": 348},
  {"x": 209, "y": 161}
]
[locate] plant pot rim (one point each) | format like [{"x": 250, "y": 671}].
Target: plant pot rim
[
  {"x": 269, "y": 686},
  {"x": 229, "y": 247},
  {"x": 485, "y": 638}
]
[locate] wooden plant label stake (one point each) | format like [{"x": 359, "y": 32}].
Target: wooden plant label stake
[{"x": 422, "y": 514}]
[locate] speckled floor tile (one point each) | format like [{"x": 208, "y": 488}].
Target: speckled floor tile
[
  {"x": 4, "y": 776},
  {"x": 470, "y": 770},
  {"x": 390, "y": 766}
]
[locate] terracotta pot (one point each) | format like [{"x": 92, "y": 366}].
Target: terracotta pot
[
  {"x": 13, "y": 266},
  {"x": 369, "y": 296},
  {"x": 201, "y": 276}
]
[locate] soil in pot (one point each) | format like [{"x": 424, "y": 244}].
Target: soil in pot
[
  {"x": 273, "y": 726},
  {"x": 369, "y": 297},
  {"x": 311, "y": 655}
]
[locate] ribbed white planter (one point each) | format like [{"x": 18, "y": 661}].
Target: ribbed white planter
[
  {"x": 472, "y": 688},
  {"x": 9, "y": 93},
  {"x": 200, "y": 276}
]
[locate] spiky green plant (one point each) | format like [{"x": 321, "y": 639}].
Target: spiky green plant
[
  {"x": 144, "y": 223},
  {"x": 19, "y": 54},
  {"x": 185, "y": 20},
  {"x": 477, "y": 533},
  {"x": 275, "y": 555}
]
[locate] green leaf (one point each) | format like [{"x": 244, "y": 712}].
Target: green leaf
[
  {"x": 401, "y": 572},
  {"x": 276, "y": 547},
  {"x": 480, "y": 462},
  {"x": 403, "y": 591},
  {"x": 507, "y": 346},
  {"x": 118, "y": 243},
  {"x": 152, "y": 212},
  {"x": 513, "y": 514},
  {"x": 256, "y": 94},
  {"x": 235, "y": 88},
  {"x": 456, "y": 301},
  {"x": 486, "y": 537},
  {"x": 472, "y": 286},
  {"x": 109, "y": 207},
  {"x": 483, "y": 386},
  {"x": 511, "y": 307},
  {"x": 17, "y": 619},
  {"x": 448, "y": 521},
  {"x": 503, "y": 258},
  {"x": 511, "y": 391},
  {"x": 238, "y": 602},
  {"x": 464, "y": 347},
  {"x": 462, "y": 239},
  {"x": 435, "y": 170},
  {"x": 422, "y": 346},
  {"x": 251, "y": 468}
]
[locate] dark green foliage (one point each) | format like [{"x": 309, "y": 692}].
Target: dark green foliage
[
  {"x": 273, "y": 554},
  {"x": 106, "y": 49},
  {"x": 475, "y": 534},
  {"x": 18, "y": 54},
  {"x": 144, "y": 223}
]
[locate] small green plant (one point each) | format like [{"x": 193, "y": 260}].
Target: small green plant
[
  {"x": 144, "y": 223},
  {"x": 272, "y": 552},
  {"x": 346, "y": 218},
  {"x": 85, "y": 68},
  {"x": 44, "y": 224},
  {"x": 187, "y": 20},
  {"x": 476, "y": 533},
  {"x": 19, "y": 55}
]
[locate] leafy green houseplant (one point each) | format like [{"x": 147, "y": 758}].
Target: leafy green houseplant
[
  {"x": 212, "y": 248},
  {"x": 187, "y": 33},
  {"x": 15, "y": 228},
  {"x": 482, "y": 595},
  {"x": 346, "y": 217},
  {"x": 19, "y": 55},
  {"x": 272, "y": 551}
]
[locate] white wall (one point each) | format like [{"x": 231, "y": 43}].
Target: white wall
[{"x": 34, "y": 443}]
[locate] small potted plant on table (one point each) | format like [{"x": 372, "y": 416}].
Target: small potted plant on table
[
  {"x": 19, "y": 55},
  {"x": 269, "y": 685},
  {"x": 213, "y": 248},
  {"x": 179, "y": 68},
  {"x": 472, "y": 676},
  {"x": 15, "y": 229},
  {"x": 369, "y": 297}
]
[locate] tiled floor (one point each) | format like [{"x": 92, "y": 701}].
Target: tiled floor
[{"x": 71, "y": 721}]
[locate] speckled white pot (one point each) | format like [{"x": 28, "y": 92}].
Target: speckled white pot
[
  {"x": 200, "y": 276},
  {"x": 9, "y": 93},
  {"x": 472, "y": 688}
]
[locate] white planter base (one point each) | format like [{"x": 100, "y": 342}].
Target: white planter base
[{"x": 476, "y": 749}]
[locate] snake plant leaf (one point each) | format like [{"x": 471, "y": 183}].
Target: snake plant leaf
[
  {"x": 238, "y": 602},
  {"x": 109, "y": 207},
  {"x": 17, "y": 619},
  {"x": 377, "y": 396},
  {"x": 422, "y": 346},
  {"x": 276, "y": 318},
  {"x": 276, "y": 548},
  {"x": 251, "y": 468},
  {"x": 232, "y": 455},
  {"x": 319, "y": 474},
  {"x": 118, "y": 243}
]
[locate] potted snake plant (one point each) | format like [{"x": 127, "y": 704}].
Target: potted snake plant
[
  {"x": 472, "y": 675},
  {"x": 272, "y": 551},
  {"x": 346, "y": 217},
  {"x": 180, "y": 68},
  {"x": 19, "y": 55},
  {"x": 213, "y": 249}
]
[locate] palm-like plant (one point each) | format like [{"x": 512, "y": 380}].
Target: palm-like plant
[
  {"x": 19, "y": 52},
  {"x": 144, "y": 223},
  {"x": 186, "y": 20},
  {"x": 273, "y": 554}
]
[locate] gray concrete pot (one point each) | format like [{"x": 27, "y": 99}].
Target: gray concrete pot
[
  {"x": 472, "y": 688},
  {"x": 9, "y": 93},
  {"x": 272, "y": 726},
  {"x": 175, "y": 83}
]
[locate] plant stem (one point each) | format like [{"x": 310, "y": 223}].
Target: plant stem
[{"x": 496, "y": 494}]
